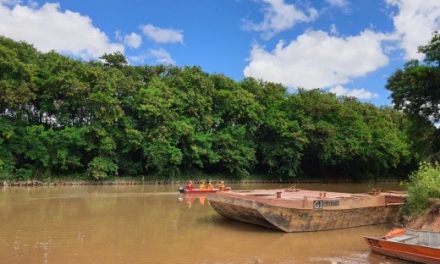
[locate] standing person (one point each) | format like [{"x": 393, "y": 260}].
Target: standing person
[{"x": 189, "y": 186}]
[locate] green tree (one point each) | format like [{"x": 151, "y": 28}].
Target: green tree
[
  {"x": 415, "y": 89},
  {"x": 423, "y": 185},
  {"x": 61, "y": 116},
  {"x": 116, "y": 59}
]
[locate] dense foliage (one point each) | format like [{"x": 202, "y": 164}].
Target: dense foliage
[
  {"x": 415, "y": 89},
  {"x": 60, "y": 116},
  {"x": 424, "y": 185}
]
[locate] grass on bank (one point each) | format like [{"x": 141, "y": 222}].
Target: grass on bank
[{"x": 423, "y": 187}]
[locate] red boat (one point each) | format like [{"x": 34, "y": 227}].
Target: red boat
[
  {"x": 411, "y": 245},
  {"x": 197, "y": 191}
]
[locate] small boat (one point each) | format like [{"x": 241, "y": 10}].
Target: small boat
[
  {"x": 197, "y": 191},
  {"x": 294, "y": 210},
  {"x": 411, "y": 245}
]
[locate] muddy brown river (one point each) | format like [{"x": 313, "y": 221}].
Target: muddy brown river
[{"x": 153, "y": 224}]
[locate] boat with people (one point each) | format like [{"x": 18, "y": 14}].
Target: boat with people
[
  {"x": 197, "y": 191},
  {"x": 408, "y": 244},
  {"x": 295, "y": 210},
  {"x": 204, "y": 188}
]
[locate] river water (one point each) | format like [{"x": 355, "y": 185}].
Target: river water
[{"x": 153, "y": 224}]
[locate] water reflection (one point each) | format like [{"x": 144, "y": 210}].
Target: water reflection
[
  {"x": 153, "y": 224},
  {"x": 189, "y": 199}
]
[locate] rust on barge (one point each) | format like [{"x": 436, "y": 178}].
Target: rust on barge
[{"x": 294, "y": 210}]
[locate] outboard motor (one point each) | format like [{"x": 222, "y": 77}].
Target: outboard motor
[{"x": 181, "y": 189}]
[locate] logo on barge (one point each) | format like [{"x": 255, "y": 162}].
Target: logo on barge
[{"x": 319, "y": 204}]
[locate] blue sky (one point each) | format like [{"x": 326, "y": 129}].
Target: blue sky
[{"x": 348, "y": 47}]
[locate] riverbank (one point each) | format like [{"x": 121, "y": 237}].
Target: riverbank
[
  {"x": 429, "y": 220},
  {"x": 143, "y": 181}
]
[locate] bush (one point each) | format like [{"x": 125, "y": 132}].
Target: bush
[
  {"x": 424, "y": 184},
  {"x": 101, "y": 167}
]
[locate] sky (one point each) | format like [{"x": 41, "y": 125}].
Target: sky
[{"x": 347, "y": 47}]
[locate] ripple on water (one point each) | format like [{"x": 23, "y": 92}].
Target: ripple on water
[
  {"x": 101, "y": 195},
  {"x": 362, "y": 258}
]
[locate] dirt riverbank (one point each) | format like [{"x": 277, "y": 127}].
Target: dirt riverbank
[{"x": 428, "y": 221}]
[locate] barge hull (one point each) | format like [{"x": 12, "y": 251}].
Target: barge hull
[{"x": 289, "y": 219}]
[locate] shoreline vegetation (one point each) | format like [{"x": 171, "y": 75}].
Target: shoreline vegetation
[
  {"x": 139, "y": 181},
  {"x": 423, "y": 190},
  {"x": 102, "y": 119}
]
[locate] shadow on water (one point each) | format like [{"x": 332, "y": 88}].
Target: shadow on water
[{"x": 233, "y": 225}]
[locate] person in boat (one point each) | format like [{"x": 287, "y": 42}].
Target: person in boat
[
  {"x": 209, "y": 186},
  {"x": 202, "y": 186},
  {"x": 189, "y": 185},
  {"x": 221, "y": 186}
]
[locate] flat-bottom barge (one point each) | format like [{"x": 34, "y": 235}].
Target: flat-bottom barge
[{"x": 294, "y": 210}]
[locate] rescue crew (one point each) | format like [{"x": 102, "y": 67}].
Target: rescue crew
[
  {"x": 189, "y": 186},
  {"x": 202, "y": 186},
  {"x": 209, "y": 186},
  {"x": 221, "y": 186}
]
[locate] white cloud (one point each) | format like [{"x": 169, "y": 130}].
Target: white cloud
[
  {"x": 318, "y": 60},
  {"x": 338, "y": 3},
  {"x": 49, "y": 28},
  {"x": 163, "y": 35},
  {"x": 161, "y": 56},
  {"x": 279, "y": 16},
  {"x": 136, "y": 60},
  {"x": 158, "y": 56},
  {"x": 361, "y": 93},
  {"x": 415, "y": 23},
  {"x": 133, "y": 40}
]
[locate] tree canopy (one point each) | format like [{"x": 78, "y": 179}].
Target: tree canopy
[
  {"x": 60, "y": 116},
  {"x": 415, "y": 89}
]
